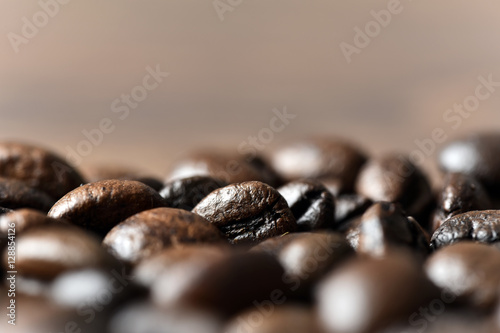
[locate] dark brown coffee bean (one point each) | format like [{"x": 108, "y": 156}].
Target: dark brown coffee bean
[
  {"x": 230, "y": 168},
  {"x": 348, "y": 206},
  {"x": 102, "y": 205},
  {"x": 38, "y": 168},
  {"x": 468, "y": 271},
  {"x": 227, "y": 287},
  {"x": 186, "y": 193},
  {"x": 311, "y": 204},
  {"x": 247, "y": 212},
  {"x": 24, "y": 219},
  {"x": 384, "y": 226},
  {"x": 394, "y": 178},
  {"x": 16, "y": 194},
  {"x": 45, "y": 252},
  {"x": 185, "y": 257},
  {"x": 474, "y": 155},
  {"x": 151, "y": 231},
  {"x": 274, "y": 245},
  {"x": 481, "y": 226},
  {"x": 368, "y": 294},
  {"x": 275, "y": 319},
  {"x": 320, "y": 158},
  {"x": 460, "y": 194}
]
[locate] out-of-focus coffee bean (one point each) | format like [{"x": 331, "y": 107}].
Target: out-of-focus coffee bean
[
  {"x": 384, "y": 226},
  {"x": 186, "y": 193},
  {"x": 368, "y": 294},
  {"x": 311, "y": 204},
  {"x": 102, "y": 205},
  {"x": 460, "y": 194},
  {"x": 23, "y": 219},
  {"x": 274, "y": 245},
  {"x": 468, "y": 271},
  {"x": 481, "y": 226},
  {"x": 348, "y": 206},
  {"x": 38, "y": 168},
  {"x": 151, "y": 231},
  {"x": 247, "y": 212},
  {"x": 394, "y": 178},
  {"x": 320, "y": 158},
  {"x": 15, "y": 194}
]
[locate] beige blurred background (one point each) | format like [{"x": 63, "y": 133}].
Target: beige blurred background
[{"x": 227, "y": 76}]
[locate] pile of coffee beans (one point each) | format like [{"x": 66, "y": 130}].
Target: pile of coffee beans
[{"x": 317, "y": 236}]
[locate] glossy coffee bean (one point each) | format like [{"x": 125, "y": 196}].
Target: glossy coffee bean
[
  {"x": 282, "y": 319},
  {"x": 320, "y": 158},
  {"x": 311, "y": 204},
  {"x": 394, "y": 178},
  {"x": 38, "y": 168},
  {"x": 481, "y": 226},
  {"x": 230, "y": 168},
  {"x": 460, "y": 194},
  {"x": 369, "y": 294},
  {"x": 151, "y": 231},
  {"x": 24, "y": 219},
  {"x": 45, "y": 252},
  {"x": 348, "y": 206},
  {"x": 226, "y": 287},
  {"x": 474, "y": 155},
  {"x": 15, "y": 194},
  {"x": 384, "y": 226},
  {"x": 468, "y": 271},
  {"x": 184, "y": 258},
  {"x": 247, "y": 212},
  {"x": 102, "y": 205},
  {"x": 186, "y": 193}
]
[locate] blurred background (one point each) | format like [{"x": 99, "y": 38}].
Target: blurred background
[{"x": 65, "y": 66}]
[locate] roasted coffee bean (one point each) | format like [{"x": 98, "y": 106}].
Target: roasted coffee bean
[
  {"x": 468, "y": 271},
  {"x": 474, "y": 155},
  {"x": 185, "y": 257},
  {"x": 230, "y": 168},
  {"x": 227, "y": 287},
  {"x": 247, "y": 212},
  {"x": 384, "y": 226},
  {"x": 16, "y": 194},
  {"x": 102, "y": 205},
  {"x": 320, "y": 158},
  {"x": 186, "y": 193},
  {"x": 368, "y": 294},
  {"x": 481, "y": 226},
  {"x": 274, "y": 245},
  {"x": 311, "y": 204},
  {"x": 45, "y": 252},
  {"x": 145, "y": 317},
  {"x": 24, "y": 219},
  {"x": 348, "y": 206},
  {"x": 151, "y": 231},
  {"x": 280, "y": 319},
  {"x": 394, "y": 178},
  {"x": 38, "y": 168},
  {"x": 460, "y": 194},
  {"x": 353, "y": 232}
]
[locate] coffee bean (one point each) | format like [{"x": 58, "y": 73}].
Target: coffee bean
[
  {"x": 38, "y": 168},
  {"x": 247, "y": 212},
  {"x": 369, "y": 294},
  {"x": 101, "y": 205},
  {"x": 353, "y": 232},
  {"x": 384, "y": 226},
  {"x": 104, "y": 172},
  {"x": 151, "y": 231},
  {"x": 186, "y": 193},
  {"x": 274, "y": 245},
  {"x": 348, "y": 206},
  {"x": 320, "y": 158},
  {"x": 16, "y": 194},
  {"x": 481, "y": 226},
  {"x": 185, "y": 257},
  {"x": 460, "y": 194},
  {"x": 474, "y": 155},
  {"x": 230, "y": 168},
  {"x": 311, "y": 204},
  {"x": 24, "y": 219},
  {"x": 276, "y": 319},
  {"x": 468, "y": 272},
  {"x": 394, "y": 178},
  {"x": 45, "y": 252},
  {"x": 226, "y": 287}
]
